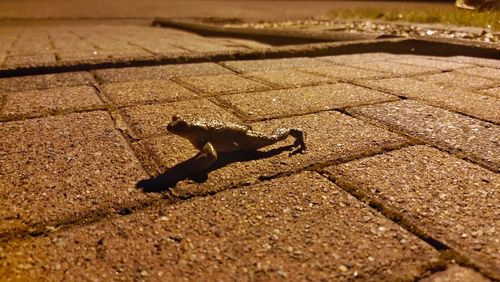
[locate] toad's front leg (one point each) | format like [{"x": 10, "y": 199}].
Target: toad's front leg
[{"x": 205, "y": 158}]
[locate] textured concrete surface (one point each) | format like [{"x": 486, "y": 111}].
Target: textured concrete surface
[
  {"x": 229, "y": 237},
  {"x": 399, "y": 180},
  {"x": 437, "y": 193}
]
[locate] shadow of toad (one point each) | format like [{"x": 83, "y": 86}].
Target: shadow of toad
[{"x": 190, "y": 168}]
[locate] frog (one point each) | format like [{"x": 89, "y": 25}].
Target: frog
[{"x": 212, "y": 137}]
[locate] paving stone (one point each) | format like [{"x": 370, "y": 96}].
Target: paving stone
[
  {"x": 356, "y": 58},
  {"x": 448, "y": 199},
  {"x": 393, "y": 68},
  {"x": 492, "y": 63},
  {"x": 221, "y": 84},
  {"x": 264, "y": 232},
  {"x": 480, "y": 106},
  {"x": 351, "y": 138},
  {"x": 289, "y": 78},
  {"x": 430, "y": 62},
  {"x": 44, "y": 81},
  {"x": 71, "y": 55},
  {"x": 492, "y": 73},
  {"x": 474, "y": 139},
  {"x": 456, "y": 273},
  {"x": 150, "y": 120},
  {"x": 345, "y": 72},
  {"x": 159, "y": 72},
  {"x": 51, "y": 172},
  {"x": 57, "y": 100},
  {"x": 145, "y": 91},
  {"x": 457, "y": 80},
  {"x": 273, "y": 64},
  {"x": 303, "y": 100},
  {"x": 493, "y": 92},
  {"x": 30, "y": 60}
]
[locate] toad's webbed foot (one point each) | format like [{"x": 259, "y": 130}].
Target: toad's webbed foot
[
  {"x": 205, "y": 158},
  {"x": 297, "y": 133}
]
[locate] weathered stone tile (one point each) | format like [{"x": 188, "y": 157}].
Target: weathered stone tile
[
  {"x": 474, "y": 139},
  {"x": 145, "y": 91},
  {"x": 52, "y": 172},
  {"x": 456, "y": 273},
  {"x": 273, "y": 64},
  {"x": 263, "y": 232},
  {"x": 221, "y": 84},
  {"x": 351, "y": 138},
  {"x": 393, "y": 68},
  {"x": 357, "y": 58},
  {"x": 492, "y": 73},
  {"x": 480, "y": 106},
  {"x": 150, "y": 120},
  {"x": 35, "y": 102},
  {"x": 430, "y": 62},
  {"x": 303, "y": 100},
  {"x": 458, "y": 80},
  {"x": 448, "y": 199},
  {"x": 346, "y": 72},
  {"x": 289, "y": 78},
  {"x": 159, "y": 72},
  {"x": 493, "y": 92},
  {"x": 30, "y": 60},
  {"x": 44, "y": 81}
]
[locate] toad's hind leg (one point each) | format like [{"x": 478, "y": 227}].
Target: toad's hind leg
[{"x": 297, "y": 133}]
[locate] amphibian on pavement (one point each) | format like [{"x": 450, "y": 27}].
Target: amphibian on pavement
[{"x": 212, "y": 137}]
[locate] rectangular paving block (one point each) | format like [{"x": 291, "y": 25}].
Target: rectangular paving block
[
  {"x": 330, "y": 136},
  {"x": 57, "y": 100},
  {"x": 486, "y": 72},
  {"x": 455, "y": 99},
  {"x": 296, "y": 228},
  {"x": 356, "y": 58},
  {"x": 492, "y": 63},
  {"x": 288, "y": 102},
  {"x": 145, "y": 91},
  {"x": 221, "y": 84},
  {"x": 273, "y": 64},
  {"x": 159, "y": 72},
  {"x": 495, "y": 92},
  {"x": 448, "y": 199},
  {"x": 45, "y": 81},
  {"x": 393, "y": 67},
  {"x": 51, "y": 172},
  {"x": 476, "y": 140},
  {"x": 30, "y": 60},
  {"x": 346, "y": 72},
  {"x": 289, "y": 78},
  {"x": 456, "y": 273},
  {"x": 457, "y": 80},
  {"x": 150, "y": 120},
  {"x": 431, "y": 62}
]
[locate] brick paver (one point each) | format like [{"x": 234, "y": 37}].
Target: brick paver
[
  {"x": 44, "y": 81},
  {"x": 430, "y": 62},
  {"x": 150, "y": 120},
  {"x": 352, "y": 138},
  {"x": 279, "y": 103},
  {"x": 439, "y": 194},
  {"x": 492, "y": 63},
  {"x": 53, "y": 101},
  {"x": 51, "y": 172},
  {"x": 145, "y": 91},
  {"x": 486, "y": 72},
  {"x": 456, "y": 273},
  {"x": 348, "y": 59},
  {"x": 493, "y": 92},
  {"x": 29, "y": 60},
  {"x": 468, "y": 137},
  {"x": 273, "y": 64},
  {"x": 346, "y": 73},
  {"x": 470, "y": 103},
  {"x": 393, "y": 68},
  {"x": 289, "y": 78},
  {"x": 221, "y": 84},
  {"x": 458, "y": 80},
  {"x": 159, "y": 72},
  {"x": 268, "y": 231}
]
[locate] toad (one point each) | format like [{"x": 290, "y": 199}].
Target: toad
[{"x": 213, "y": 137}]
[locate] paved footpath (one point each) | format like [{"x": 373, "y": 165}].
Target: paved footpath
[{"x": 400, "y": 180}]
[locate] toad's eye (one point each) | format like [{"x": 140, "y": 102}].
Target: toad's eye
[{"x": 176, "y": 117}]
